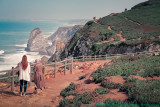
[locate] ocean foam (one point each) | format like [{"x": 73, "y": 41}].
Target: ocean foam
[
  {"x": 11, "y": 60},
  {"x": 23, "y": 45},
  {"x": 1, "y": 52}
]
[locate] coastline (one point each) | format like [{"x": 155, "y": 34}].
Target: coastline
[
  {"x": 12, "y": 59},
  {"x": 14, "y": 41}
]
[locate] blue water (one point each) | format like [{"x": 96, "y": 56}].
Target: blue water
[{"x": 14, "y": 36}]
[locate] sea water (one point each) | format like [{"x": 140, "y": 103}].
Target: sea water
[{"x": 13, "y": 40}]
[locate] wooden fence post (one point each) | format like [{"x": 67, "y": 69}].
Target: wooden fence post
[
  {"x": 106, "y": 56},
  {"x": 12, "y": 80},
  {"x": 83, "y": 58},
  {"x": 55, "y": 69},
  {"x": 95, "y": 57},
  {"x": 44, "y": 70},
  {"x": 65, "y": 66},
  {"x": 71, "y": 70}
]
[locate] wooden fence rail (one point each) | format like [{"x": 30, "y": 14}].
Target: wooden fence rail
[{"x": 69, "y": 62}]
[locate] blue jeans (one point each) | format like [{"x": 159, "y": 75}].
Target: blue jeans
[{"x": 21, "y": 85}]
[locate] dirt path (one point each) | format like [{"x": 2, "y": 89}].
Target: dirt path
[
  {"x": 112, "y": 39},
  {"x": 132, "y": 21},
  {"x": 121, "y": 37},
  {"x": 49, "y": 97}
]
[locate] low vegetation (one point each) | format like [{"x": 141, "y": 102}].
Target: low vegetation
[
  {"x": 82, "y": 77},
  {"x": 139, "y": 92},
  {"x": 78, "y": 100},
  {"x": 100, "y": 91},
  {"x": 67, "y": 91},
  {"x": 128, "y": 65},
  {"x": 110, "y": 85}
]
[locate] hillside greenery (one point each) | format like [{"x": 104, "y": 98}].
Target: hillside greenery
[
  {"x": 140, "y": 65},
  {"x": 140, "y": 93},
  {"x": 138, "y": 25}
]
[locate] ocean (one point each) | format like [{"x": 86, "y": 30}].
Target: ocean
[{"x": 13, "y": 40}]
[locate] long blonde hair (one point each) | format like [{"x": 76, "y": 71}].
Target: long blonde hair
[{"x": 24, "y": 62}]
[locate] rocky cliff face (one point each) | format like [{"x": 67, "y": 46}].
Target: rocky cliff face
[
  {"x": 64, "y": 34},
  {"x": 60, "y": 38},
  {"x": 36, "y": 42}
]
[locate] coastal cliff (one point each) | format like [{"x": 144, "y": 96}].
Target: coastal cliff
[
  {"x": 64, "y": 34},
  {"x": 60, "y": 38},
  {"x": 37, "y": 42}
]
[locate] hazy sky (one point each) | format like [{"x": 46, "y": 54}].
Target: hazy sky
[{"x": 61, "y": 9}]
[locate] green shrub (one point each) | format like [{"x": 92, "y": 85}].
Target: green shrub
[
  {"x": 114, "y": 103},
  {"x": 131, "y": 79},
  {"x": 98, "y": 75},
  {"x": 101, "y": 91},
  {"x": 150, "y": 72},
  {"x": 90, "y": 23},
  {"x": 110, "y": 85},
  {"x": 82, "y": 77},
  {"x": 143, "y": 92},
  {"x": 139, "y": 65},
  {"x": 64, "y": 103},
  {"x": 66, "y": 92},
  {"x": 84, "y": 98}
]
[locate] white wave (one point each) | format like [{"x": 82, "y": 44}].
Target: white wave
[
  {"x": 23, "y": 45},
  {"x": 11, "y": 60},
  {"x": 1, "y": 52}
]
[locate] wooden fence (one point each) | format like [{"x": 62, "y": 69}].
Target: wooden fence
[
  {"x": 69, "y": 62},
  {"x": 64, "y": 63}
]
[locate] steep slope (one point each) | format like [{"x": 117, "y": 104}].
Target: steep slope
[
  {"x": 60, "y": 38},
  {"x": 135, "y": 30},
  {"x": 36, "y": 42},
  {"x": 63, "y": 34}
]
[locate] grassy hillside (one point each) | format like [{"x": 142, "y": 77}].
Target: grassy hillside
[
  {"x": 145, "y": 13},
  {"x": 139, "y": 25},
  {"x": 141, "y": 92}
]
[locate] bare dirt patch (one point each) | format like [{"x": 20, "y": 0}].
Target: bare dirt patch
[
  {"x": 115, "y": 79},
  {"x": 113, "y": 94}
]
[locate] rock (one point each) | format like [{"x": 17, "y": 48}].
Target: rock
[
  {"x": 44, "y": 59},
  {"x": 63, "y": 34},
  {"x": 47, "y": 77},
  {"x": 70, "y": 97},
  {"x": 59, "y": 39},
  {"x": 36, "y": 42},
  {"x": 91, "y": 79}
]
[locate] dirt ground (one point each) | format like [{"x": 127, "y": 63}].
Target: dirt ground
[{"x": 50, "y": 96}]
